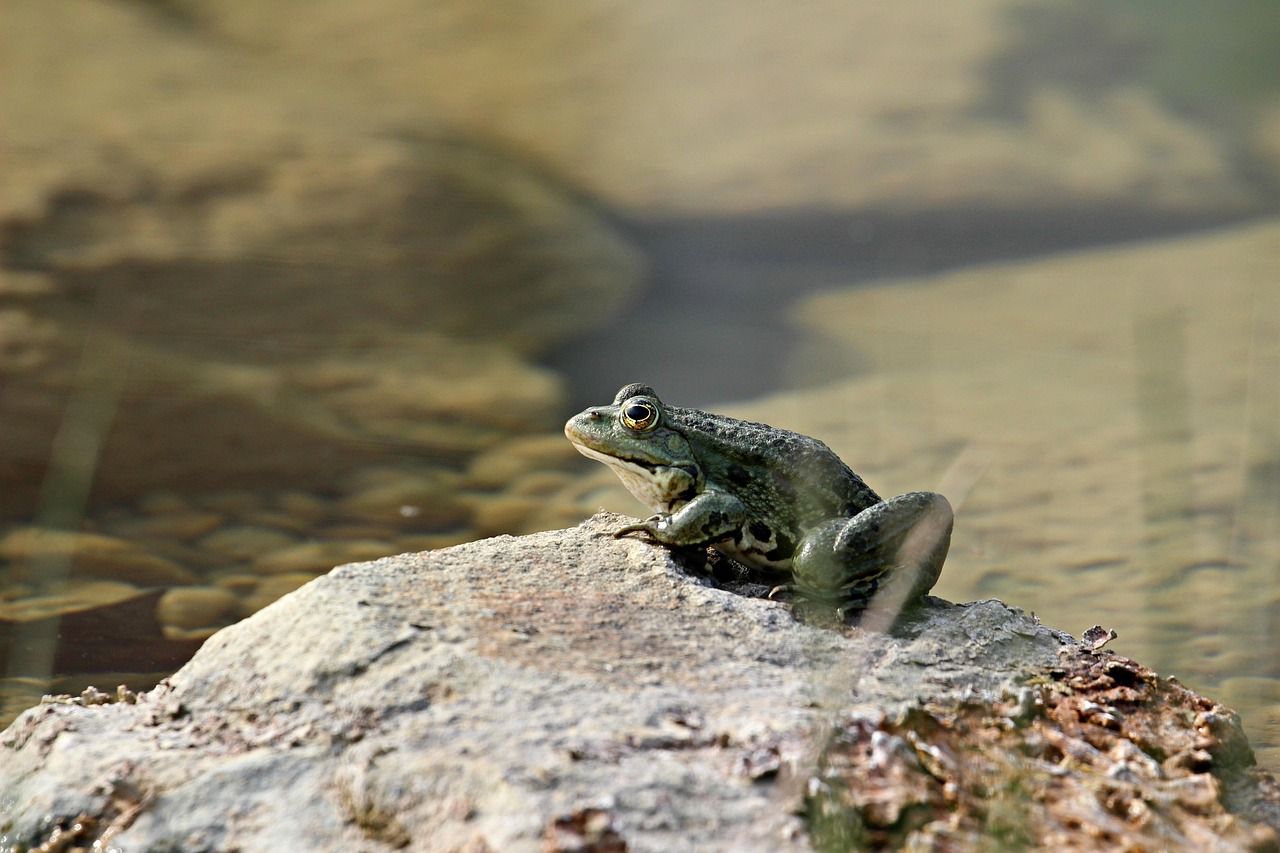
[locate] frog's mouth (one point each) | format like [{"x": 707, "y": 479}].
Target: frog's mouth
[
  {"x": 633, "y": 467},
  {"x": 654, "y": 485}
]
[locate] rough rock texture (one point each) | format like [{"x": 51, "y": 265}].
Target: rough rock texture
[{"x": 559, "y": 691}]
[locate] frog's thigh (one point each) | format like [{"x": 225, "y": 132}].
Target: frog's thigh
[{"x": 901, "y": 540}]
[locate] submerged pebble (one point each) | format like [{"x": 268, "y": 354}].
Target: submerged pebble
[
  {"x": 196, "y": 606},
  {"x": 318, "y": 557},
  {"x": 271, "y": 588},
  {"x": 40, "y": 551},
  {"x": 244, "y": 542}
]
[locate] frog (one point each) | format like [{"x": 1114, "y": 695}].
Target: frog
[{"x": 775, "y": 501}]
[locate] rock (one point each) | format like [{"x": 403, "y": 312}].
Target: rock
[
  {"x": 268, "y": 589},
  {"x": 500, "y": 465},
  {"x": 421, "y": 502},
  {"x": 89, "y": 555},
  {"x": 318, "y": 557},
  {"x": 243, "y": 542},
  {"x": 516, "y": 693},
  {"x": 196, "y": 607},
  {"x": 182, "y": 526},
  {"x": 494, "y": 515},
  {"x": 25, "y": 606}
]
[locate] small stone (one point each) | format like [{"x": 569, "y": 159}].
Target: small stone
[
  {"x": 302, "y": 505},
  {"x": 244, "y": 542},
  {"x": 320, "y": 557},
  {"x": 232, "y": 503},
  {"x": 279, "y": 520},
  {"x": 540, "y": 483},
  {"x": 173, "y": 632},
  {"x": 77, "y": 595},
  {"x": 503, "y": 514},
  {"x": 196, "y": 607},
  {"x": 272, "y": 588},
  {"x": 360, "y": 531},
  {"x": 183, "y": 526},
  {"x": 163, "y": 503},
  {"x": 189, "y": 555},
  {"x": 97, "y": 593},
  {"x": 239, "y": 583},
  {"x": 21, "y": 284},
  {"x": 432, "y": 541},
  {"x": 499, "y": 466},
  {"x": 91, "y": 555},
  {"x": 421, "y": 502}
]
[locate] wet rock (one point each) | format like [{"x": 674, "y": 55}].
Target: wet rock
[
  {"x": 425, "y": 502},
  {"x": 182, "y": 525},
  {"x": 266, "y": 590},
  {"x": 244, "y": 542},
  {"x": 89, "y": 555},
  {"x": 196, "y": 607},
  {"x": 77, "y": 595},
  {"x": 502, "y": 464},
  {"x": 503, "y": 513},
  {"x": 318, "y": 557},
  {"x": 568, "y": 688}
]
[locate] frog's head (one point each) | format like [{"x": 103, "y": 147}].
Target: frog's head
[{"x": 634, "y": 436}]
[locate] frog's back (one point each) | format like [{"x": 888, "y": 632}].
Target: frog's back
[{"x": 776, "y": 466}]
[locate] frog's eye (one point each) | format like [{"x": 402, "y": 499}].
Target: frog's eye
[{"x": 639, "y": 415}]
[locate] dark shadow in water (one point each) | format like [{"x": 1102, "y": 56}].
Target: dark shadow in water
[{"x": 712, "y": 325}]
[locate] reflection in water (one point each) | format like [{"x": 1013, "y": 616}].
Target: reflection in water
[
  {"x": 31, "y": 646},
  {"x": 1163, "y": 409}
]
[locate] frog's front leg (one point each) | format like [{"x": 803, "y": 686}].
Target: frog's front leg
[
  {"x": 709, "y": 518},
  {"x": 898, "y": 544}
]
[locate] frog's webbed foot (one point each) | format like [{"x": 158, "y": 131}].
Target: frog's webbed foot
[
  {"x": 650, "y": 526},
  {"x": 787, "y": 588}
]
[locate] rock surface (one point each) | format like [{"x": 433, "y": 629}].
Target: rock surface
[{"x": 559, "y": 691}]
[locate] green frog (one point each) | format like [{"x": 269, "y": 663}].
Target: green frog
[{"x": 773, "y": 500}]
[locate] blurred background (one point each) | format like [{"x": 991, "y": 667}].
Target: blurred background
[{"x": 291, "y": 283}]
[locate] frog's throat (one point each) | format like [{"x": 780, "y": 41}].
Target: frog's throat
[{"x": 653, "y": 486}]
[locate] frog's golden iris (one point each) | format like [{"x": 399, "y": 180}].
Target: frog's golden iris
[{"x": 640, "y": 415}]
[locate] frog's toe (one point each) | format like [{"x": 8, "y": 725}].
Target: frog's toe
[{"x": 788, "y": 588}]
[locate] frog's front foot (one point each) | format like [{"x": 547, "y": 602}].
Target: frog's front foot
[
  {"x": 786, "y": 588},
  {"x": 653, "y": 525}
]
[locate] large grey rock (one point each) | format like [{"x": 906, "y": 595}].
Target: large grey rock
[
  {"x": 483, "y": 691},
  {"x": 560, "y": 688}
]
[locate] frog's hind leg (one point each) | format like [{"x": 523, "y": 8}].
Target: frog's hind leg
[{"x": 893, "y": 551}]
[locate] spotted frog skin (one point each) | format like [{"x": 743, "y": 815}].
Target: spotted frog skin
[{"x": 770, "y": 499}]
